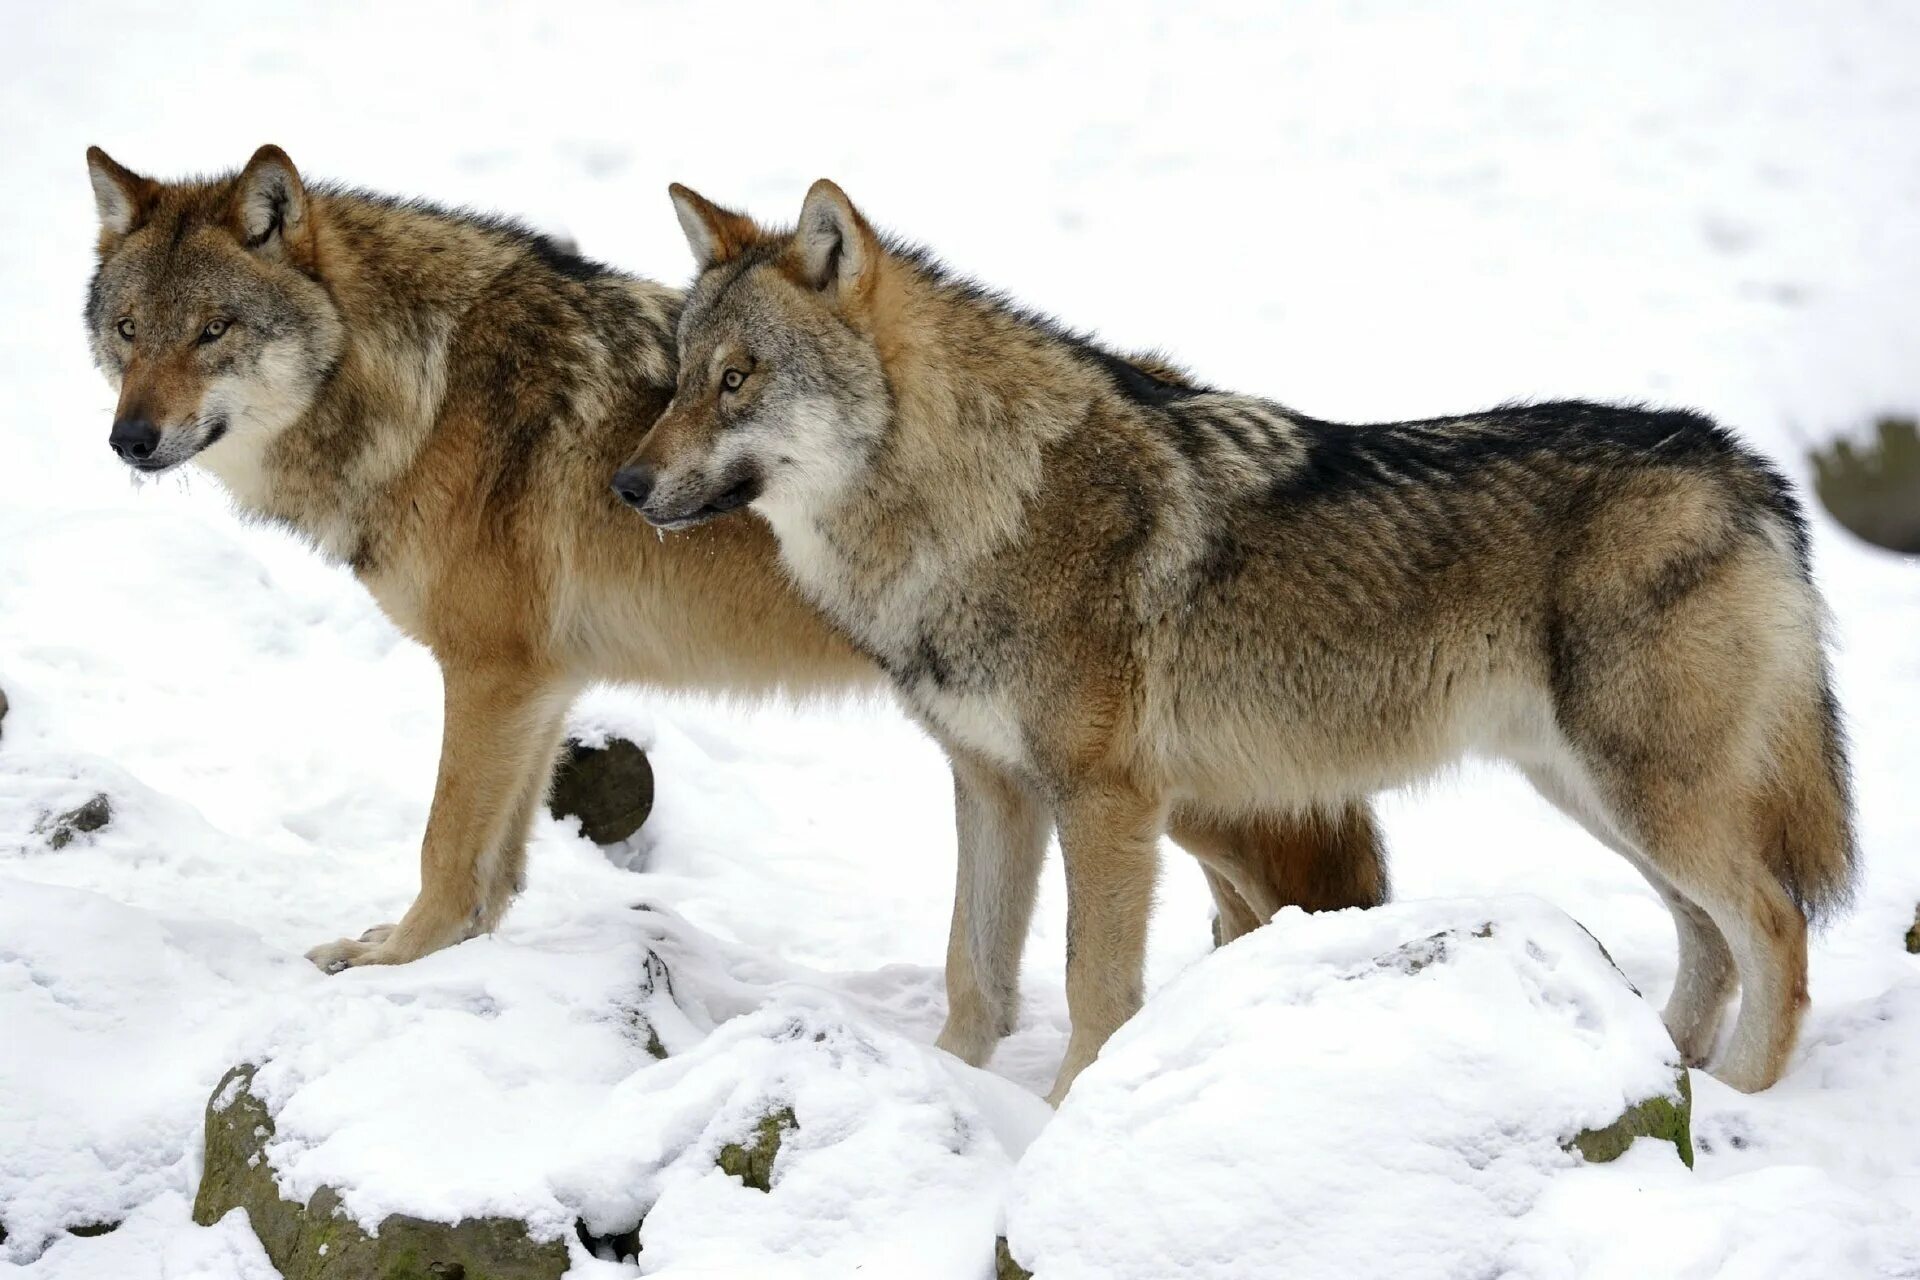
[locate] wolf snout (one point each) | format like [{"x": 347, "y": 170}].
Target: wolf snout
[
  {"x": 634, "y": 483},
  {"x": 681, "y": 501},
  {"x": 134, "y": 438}
]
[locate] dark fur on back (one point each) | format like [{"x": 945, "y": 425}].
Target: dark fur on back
[{"x": 1344, "y": 459}]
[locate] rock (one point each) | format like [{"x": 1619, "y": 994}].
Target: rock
[
  {"x": 315, "y": 1241},
  {"x": 1875, "y": 491},
  {"x": 87, "y": 818},
  {"x": 609, "y": 788},
  {"x": 1913, "y": 934},
  {"x": 1004, "y": 1267},
  {"x": 615, "y": 1246},
  {"x": 3, "y": 713},
  {"x": 752, "y": 1162},
  {"x": 1667, "y": 1119}
]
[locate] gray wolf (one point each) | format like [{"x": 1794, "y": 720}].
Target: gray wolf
[
  {"x": 1109, "y": 593},
  {"x": 435, "y": 400}
]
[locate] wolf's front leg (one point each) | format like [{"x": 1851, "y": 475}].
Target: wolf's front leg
[
  {"x": 504, "y": 875},
  {"x": 1110, "y": 839},
  {"x": 496, "y": 744},
  {"x": 1002, "y": 838}
]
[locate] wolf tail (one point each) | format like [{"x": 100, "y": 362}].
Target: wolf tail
[{"x": 1807, "y": 807}]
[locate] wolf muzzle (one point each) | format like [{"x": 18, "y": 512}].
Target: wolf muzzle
[
  {"x": 637, "y": 485},
  {"x": 152, "y": 449}
]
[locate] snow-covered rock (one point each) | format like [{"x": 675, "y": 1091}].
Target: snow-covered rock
[
  {"x": 489, "y": 1107},
  {"x": 1379, "y": 1093},
  {"x": 311, "y": 1240}
]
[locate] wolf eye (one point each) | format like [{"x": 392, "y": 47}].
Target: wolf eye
[
  {"x": 213, "y": 330},
  {"x": 732, "y": 379},
  {"x": 125, "y": 326}
]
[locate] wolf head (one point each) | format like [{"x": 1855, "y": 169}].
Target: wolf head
[
  {"x": 207, "y": 311},
  {"x": 781, "y": 398}
]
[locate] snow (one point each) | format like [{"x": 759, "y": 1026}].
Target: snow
[
  {"x": 1393, "y": 1088},
  {"x": 500, "y": 1080},
  {"x": 1365, "y": 212}
]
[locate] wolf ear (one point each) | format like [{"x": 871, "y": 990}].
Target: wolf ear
[
  {"x": 270, "y": 208},
  {"x": 715, "y": 235},
  {"x": 124, "y": 197},
  {"x": 836, "y": 246}
]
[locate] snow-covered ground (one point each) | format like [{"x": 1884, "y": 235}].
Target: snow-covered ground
[{"x": 1363, "y": 212}]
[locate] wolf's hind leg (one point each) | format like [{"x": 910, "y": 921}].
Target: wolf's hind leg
[
  {"x": 1704, "y": 979},
  {"x": 1232, "y": 917},
  {"x": 1703, "y": 984},
  {"x": 1002, "y": 839},
  {"x": 1713, "y": 859},
  {"x": 1258, "y": 863},
  {"x": 492, "y": 742}
]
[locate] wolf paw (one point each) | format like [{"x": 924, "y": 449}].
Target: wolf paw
[{"x": 332, "y": 957}]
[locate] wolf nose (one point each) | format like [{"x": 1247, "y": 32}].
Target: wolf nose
[
  {"x": 634, "y": 484},
  {"x": 134, "y": 439}
]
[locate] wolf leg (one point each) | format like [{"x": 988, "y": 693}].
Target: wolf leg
[
  {"x": 504, "y": 874},
  {"x": 1703, "y": 983},
  {"x": 1320, "y": 861},
  {"x": 492, "y": 743},
  {"x": 1110, "y": 839},
  {"x": 1002, "y": 839},
  {"x": 1232, "y": 917},
  {"x": 1712, "y": 860},
  {"x": 1698, "y": 833}
]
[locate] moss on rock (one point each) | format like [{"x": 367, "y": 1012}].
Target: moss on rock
[
  {"x": 316, "y": 1241},
  {"x": 1874, "y": 489},
  {"x": 752, "y": 1161},
  {"x": 1670, "y": 1119},
  {"x": 1004, "y": 1267}
]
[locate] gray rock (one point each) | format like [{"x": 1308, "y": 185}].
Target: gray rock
[
  {"x": 1913, "y": 934},
  {"x": 1874, "y": 489},
  {"x": 315, "y": 1241},
  {"x": 84, "y": 820},
  {"x": 610, "y": 789},
  {"x": 3, "y": 713}
]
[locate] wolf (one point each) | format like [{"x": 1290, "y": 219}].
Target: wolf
[
  {"x": 1109, "y": 593},
  {"x": 435, "y": 399}
]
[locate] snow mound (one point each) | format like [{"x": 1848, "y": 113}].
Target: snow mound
[
  {"x": 86, "y": 1136},
  {"x": 1353, "y": 1094},
  {"x": 599, "y": 1084}
]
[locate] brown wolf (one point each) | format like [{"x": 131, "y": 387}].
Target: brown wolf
[
  {"x": 1108, "y": 593},
  {"x": 437, "y": 400}
]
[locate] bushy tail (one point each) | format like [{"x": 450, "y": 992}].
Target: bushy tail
[{"x": 1808, "y": 807}]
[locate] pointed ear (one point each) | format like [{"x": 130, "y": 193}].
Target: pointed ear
[
  {"x": 714, "y": 234},
  {"x": 124, "y": 197},
  {"x": 269, "y": 211},
  {"x": 836, "y": 246}
]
